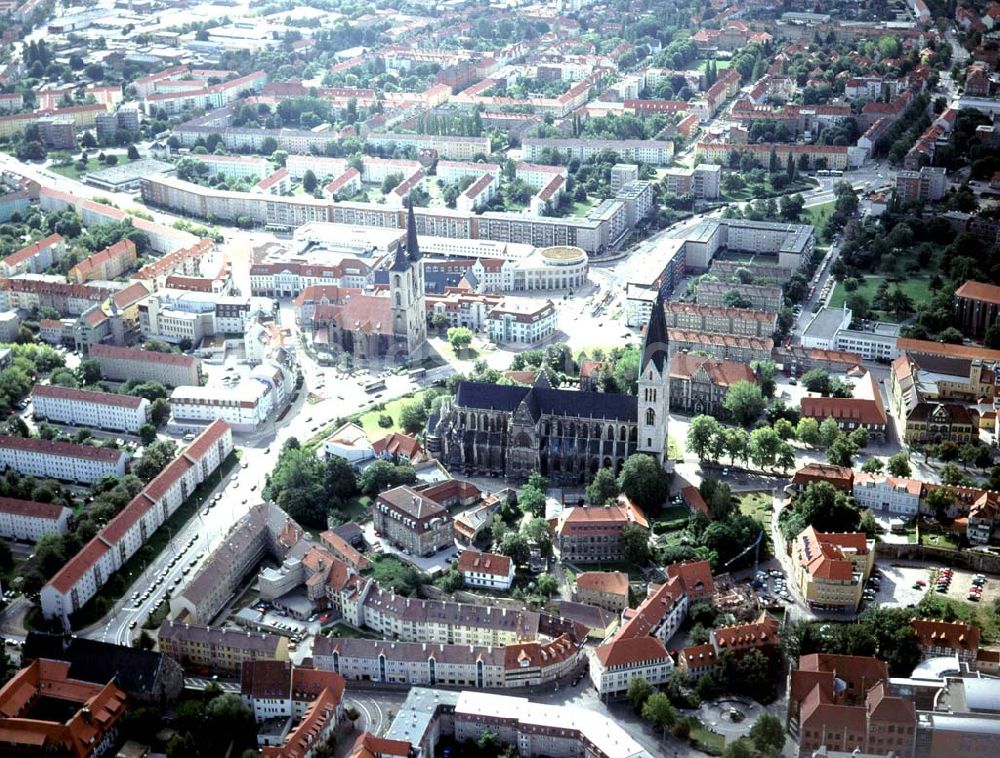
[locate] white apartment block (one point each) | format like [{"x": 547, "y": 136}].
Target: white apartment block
[
  {"x": 27, "y": 521},
  {"x": 245, "y": 408},
  {"x": 653, "y": 152},
  {"x": 102, "y": 410},
  {"x": 65, "y": 461},
  {"x": 479, "y": 193},
  {"x": 538, "y": 175},
  {"x": 86, "y": 572},
  {"x": 320, "y": 165},
  {"x": 235, "y": 166},
  {"x": 453, "y": 171},
  {"x": 888, "y": 495},
  {"x": 122, "y": 364},
  {"x": 523, "y": 323},
  {"x": 375, "y": 170}
]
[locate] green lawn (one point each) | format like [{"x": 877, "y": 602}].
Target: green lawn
[
  {"x": 818, "y": 214},
  {"x": 72, "y": 172},
  {"x": 721, "y": 65},
  {"x": 943, "y": 539},
  {"x": 757, "y": 505},
  {"x": 369, "y": 420},
  {"x": 580, "y": 209},
  {"x": 702, "y": 736},
  {"x": 916, "y": 287},
  {"x": 390, "y": 571},
  {"x": 356, "y": 508},
  {"x": 342, "y": 630},
  {"x": 626, "y": 568}
]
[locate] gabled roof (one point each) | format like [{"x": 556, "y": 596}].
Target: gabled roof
[
  {"x": 956, "y": 636},
  {"x": 612, "y": 582},
  {"x": 485, "y": 563}
]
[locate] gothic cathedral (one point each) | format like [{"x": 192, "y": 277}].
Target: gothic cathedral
[
  {"x": 654, "y": 386},
  {"x": 406, "y": 291}
]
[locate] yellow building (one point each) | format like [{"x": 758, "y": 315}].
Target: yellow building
[{"x": 832, "y": 567}]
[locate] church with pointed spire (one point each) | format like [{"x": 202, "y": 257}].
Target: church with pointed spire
[
  {"x": 565, "y": 434},
  {"x": 388, "y": 325}
]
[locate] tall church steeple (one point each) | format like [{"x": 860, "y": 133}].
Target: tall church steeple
[
  {"x": 654, "y": 384},
  {"x": 406, "y": 290}
]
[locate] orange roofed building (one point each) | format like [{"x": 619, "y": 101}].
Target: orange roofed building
[
  {"x": 44, "y": 687},
  {"x": 605, "y": 589},
  {"x": 594, "y": 533},
  {"x": 832, "y": 567}
]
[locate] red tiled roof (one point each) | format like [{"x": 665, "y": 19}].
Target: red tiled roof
[
  {"x": 201, "y": 444},
  {"x": 25, "y": 253},
  {"x": 956, "y": 635},
  {"x": 30, "y": 508},
  {"x": 623, "y": 652},
  {"x": 696, "y": 577},
  {"x": 613, "y": 582},
  {"x": 136, "y": 354},
  {"x": 399, "y": 444},
  {"x": 78, "y": 565},
  {"x": 85, "y": 396},
  {"x": 64, "y": 449},
  {"x": 484, "y": 563}
]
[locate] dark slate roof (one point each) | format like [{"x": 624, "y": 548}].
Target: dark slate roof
[
  {"x": 655, "y": 348},
  {"x": 94, "y": 661},
  {"x": 435, "y": 282},
  {"x": 543, "y": 401},
  {"x": 412, "y": 247}
]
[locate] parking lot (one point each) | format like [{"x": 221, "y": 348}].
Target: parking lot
[
  {"x": 433, "y": 564},
  {"x": 897, "y": 585},
  {"x": 772, "y": 585},
  {"x": 961, "y": 582}
]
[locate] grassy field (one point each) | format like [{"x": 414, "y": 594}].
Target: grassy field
[
  {"x": 580, "y": 209},
  {"x": 356, "y": 509},
  {"x": 702, "y": 736},
  {"x": 721, "y": 65},
  {"x": 757, "y": 505},
  {"x": 818, "y": 214},
  {"x": 369, "y": 420},
  {"x": 342, "y": 630},
  {"x": 916, "y": 288},
  {"x": 72, "y": 172}
]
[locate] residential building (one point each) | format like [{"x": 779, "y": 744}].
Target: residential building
[
  {"x": 83, "y": 725},
  {"x": 832, "y": 568},
  {"x": 593, "y": 533},
  {"x": 276, "y": 689},
  {"x": 413, "y": 522},
  {"x": 313, "y": 732},
  {"x": 699, "y": 384},
  {"x": 27, "y": 521},
  {"x": 725, "y": 347},
  {"x": 521, "y": 322},
  {"x": 122, "y": 537},
  {"x": 841, "y": 477},
  {"x": 36, "y": 258},
  {"x": 399, "y": 447},
  {"x": 486, "y": 570},
  {"x": 760, "y": 634},
  {"x": 762, "y": 297},
  {"x": 101, "y": 410},
  {"x": 865, "y": 410},
  {"x": 65, "y": 461},
  {"x": 702, "y": 181},
  {"x": 926, "y": 185},
  {"x": 735, "y": 321},
  {"x": 946, "y": 638},
  {"x": 888, "y": 495},
  {"x": 605, "y": 589},
  {"x": 217, "y": 649},
  {"x": 109, "y": 263},
  {"x": 122, "y": 364},
  {"x": 696, "y": 577},
  {"x": 653, "y": 152}
]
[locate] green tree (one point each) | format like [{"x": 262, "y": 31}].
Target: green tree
[
  {"x": 768, "y": 734},
  {"x": 635, "y": 545},
  {"x": 740, "y": 748},
  {"x": 547, "y": 585},
  {"x": 531, "y": 497},
  {"x": 873, "y": 466},
  {"x": 659, "y": 712},
  {"x": 90, "y": 371},
  {"x": 413, "y": 417},
  {"x": 735, "y": 443},
  {"x": 899, "y": 464},
  {"x": 701, "y": 434},
  {"x": 807, "y": 431},
  {"x": 829, "y": 432},
  {"x": 644, "y": 481},
  {"x": 539, "y": 531},
  {"x": 147, "y": 434},
  {"x": 763, "y": 447},
  {"x": 383, "y": 475},
  {"x": 745, "y": 401},
  {"x": 826, "y": 508},
  {"x": 603, "y": 487},
  {"x": 940, "y": 501},
  {"x": 841, "y": 452},
  {"x": 155, "y": 458},
  {"x": 515, "y": 547},
  {"x": 309, "y": 181},
  {"x": 296, "y": 485},
  {"x": 459, "y": 337},
  {"x": 817, "y": 380},
  {"x": 339, "y": 480}
]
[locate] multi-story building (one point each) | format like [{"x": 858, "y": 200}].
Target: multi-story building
[
  {"x": 702, "y": 181},
  {"x": 843, "y": 703},
  {"x": 238, "y": 166},
  {"x": 832, "y": 568},
  {"x": 926, "y": 185},
  {"x": 122, "y": 537},
  {"x": 889, "y": 495},
  {"x": 865, "y": 410},
  {"x": 725, "y": 347},
  {"x": 762, "y": 297},
  {"x": 735, "y": 321},
  {"x": 122, "y": 364},
  {"x": 278, "y": 689},
  {"x": 486, "y": 570},
  {"x": 36, "y": 258},
  {"x": 593, "y": 533},
  {"x": 27, "y": 520},
  {"x": 450, "y": 147},
  {"x": 653, "y": 152},
  {"x": 920, "y": 386},
  {"x": 605, "y": 589},
  {"x": 947, "y": 638},
  {"x": 817, "y": 156},
  {"x": 109, "y": 263},
  {"x": 102, "y": 410},
  {"x": 521, "y": 322},
  {"x": 738, "y": 639},
  {"x": 246, "y": 407},
  {"x": 65, "y": 461},
  {"x": 83, "y": 725},
  {"x": 977, "y": 306},
  {"x": 218, "y": 649},
  {"x": 413, "y": 522},
  {"x": 699, "y": 384},
  {"x": 293, "y": 279}
]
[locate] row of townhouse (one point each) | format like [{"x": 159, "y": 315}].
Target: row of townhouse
[
  {"x": 203, "y": 648},
  {"x": 519, "y": 664},
  {"x": 100, "y": 410},
  {"x": 736, "y": 321},
  {"x": 760, "y": 634},
  {"x": 29, "y": 521},
  {"x": 68, "y": 299},
  {"x": 64, "y": 461},
  {"x": 109, "y": 263},
  {"x": 122, "y": 537},
  {"x": 596, "y": 233}
]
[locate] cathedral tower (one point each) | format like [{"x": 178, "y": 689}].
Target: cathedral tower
[
  {"x": 654, "y": 385},
  {"x": 406, "y": 290}
]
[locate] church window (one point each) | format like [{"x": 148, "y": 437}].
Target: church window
[
  {"x": 399, "y": 300},
  {"x": 650, "y": 417},
  {"x": 649, "y": 442}
]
